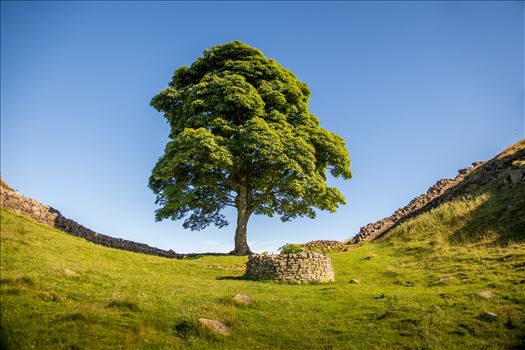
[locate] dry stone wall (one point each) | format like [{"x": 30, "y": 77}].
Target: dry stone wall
[
  {"x": 323, "y": 246},
  {"x": 298, "y": 268},
  {"x": 34, "y": 210},
  {"x": 415, "y": 207},
  {"x": 502, "y": 171}
]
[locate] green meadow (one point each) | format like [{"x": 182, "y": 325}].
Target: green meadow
[{"x": 416, "y": 288}]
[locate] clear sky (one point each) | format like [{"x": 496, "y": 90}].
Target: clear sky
[{"x": 417, "y": 89}]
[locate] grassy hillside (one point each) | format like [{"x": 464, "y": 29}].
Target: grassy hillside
[{"x": 417, "y": 289}]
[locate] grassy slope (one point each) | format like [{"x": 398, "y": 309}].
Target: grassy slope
[{"x": 126, "y": 300}]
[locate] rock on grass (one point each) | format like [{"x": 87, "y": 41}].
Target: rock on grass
[
  {"x": 446, "y": 279},
  {"x": 242, "y": 299},
  {"x": 69, "y": 272},
  {"x": 487, "y": 294},
  {"x": 215, "y": 326}
]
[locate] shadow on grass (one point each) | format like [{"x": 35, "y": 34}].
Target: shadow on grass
[
  {"x": 234, "y": 278},
  {"x": 502, "y": 214},
  {"x": 202, "y": 255},
  {"x": 498, "y": 220},
  {"x": 4, "y": 343},
  {"x": 501, "y": 217}
]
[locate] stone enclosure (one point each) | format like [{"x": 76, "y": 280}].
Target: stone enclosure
[{"x": 299, "y": 268}]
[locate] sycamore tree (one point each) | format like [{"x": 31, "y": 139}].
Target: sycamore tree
[{"x": 242, "y": 136}]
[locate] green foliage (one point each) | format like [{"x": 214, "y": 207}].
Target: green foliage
[
  {"x": 155, "y": 303},
  {"x": 239, "y": 121},
  {"x": 291, "y": 249}
]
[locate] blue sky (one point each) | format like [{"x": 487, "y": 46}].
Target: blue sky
[{"x": 417, "y": 89}]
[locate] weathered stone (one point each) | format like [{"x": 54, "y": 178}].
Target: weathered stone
[
  {"x": 69, "y": 272},
  {"x": 215, "y": 326},
  {"x": 323, "y": 245},
  {"x": 242, "y": 299},
  {"x": 487, "y": 294},
  {"x": 446, "y": 279},
  {"x": 302, "y": 267},
  {"x": 516, "y": 175}
]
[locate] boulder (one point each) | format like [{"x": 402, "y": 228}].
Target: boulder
[
  {"x": 516, "y": 175},
  {"x": 215, "y": 326},
  {"x": 446, "y": 279},
  {"x": 242, "y": 299},
  {"x": 69, "y": 272},
  {"x": 487, "y": 294}
]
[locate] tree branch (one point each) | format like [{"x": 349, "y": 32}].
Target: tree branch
[{"x": 264, "y": 196}]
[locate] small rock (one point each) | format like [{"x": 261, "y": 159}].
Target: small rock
[
  {"x": 215, "y": 326},
  {"x": 242, "y": 299},
  {"x": 354, "y": 281},
  {"x": 69, "y": 272},
  {"x": 445, "y": 279},
  {"x": 516, "y": 175},
  {"x": 488, "y": 316},
  {"x": 487, "y": 294}
]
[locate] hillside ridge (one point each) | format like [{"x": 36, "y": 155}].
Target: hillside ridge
[
  {"x": 36, "y": 211},
  {"x": 505, "y": 169},
  {"x": 416, "y": 206}
]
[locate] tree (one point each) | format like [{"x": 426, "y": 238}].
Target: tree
[{"x": 242, "y": 136}]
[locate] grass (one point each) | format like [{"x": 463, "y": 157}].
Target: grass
[
  {"x": 418, "y": 289},
  {"x": 512, "y": 149}
]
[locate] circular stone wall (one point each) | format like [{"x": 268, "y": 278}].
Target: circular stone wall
[{"x": 300, "y": 267}]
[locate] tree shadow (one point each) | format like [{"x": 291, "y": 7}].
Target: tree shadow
[
  {"x": 233, "y": 278},
  {"x": 195, "y": 256}
]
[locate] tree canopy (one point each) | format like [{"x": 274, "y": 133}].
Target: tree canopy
[{"x": 242, "y": 136}]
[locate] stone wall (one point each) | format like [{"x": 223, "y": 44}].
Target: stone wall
[
  {"x": 502, "y": 171},
  {"x": 415, "y": 207},
  {"x": 34, "y": 210},
  {"x": 298, "y": 268},
  {"x": 323, "y": 246}
]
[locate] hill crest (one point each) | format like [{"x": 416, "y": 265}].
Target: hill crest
[{"x": 504, "y": 170}]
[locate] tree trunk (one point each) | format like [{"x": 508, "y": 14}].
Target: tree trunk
[{"x": 243, "y": 214}]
